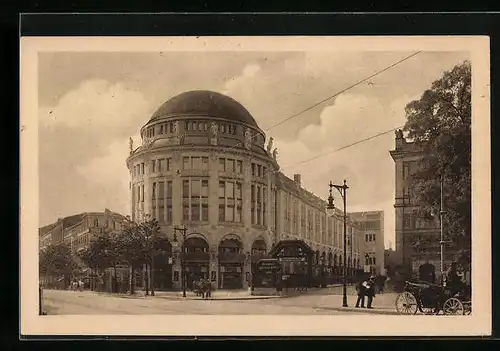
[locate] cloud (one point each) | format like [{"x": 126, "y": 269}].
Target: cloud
[
  {"x": 97, "y": 104},
  {"x": 110, "y": 171},
  {"x": 239, "y": 85},
  {"x": 81, "y": 148},
  {"x": 367, "y": 166}
]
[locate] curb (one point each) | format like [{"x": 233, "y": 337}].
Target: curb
[
  {"x": 219, "y": 298},
  {"x": 362, "y": 310}
]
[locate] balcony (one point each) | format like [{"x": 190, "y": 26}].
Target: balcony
[
  {"x": 231, "y": 257},
  {"x": 196, "y": 256}
]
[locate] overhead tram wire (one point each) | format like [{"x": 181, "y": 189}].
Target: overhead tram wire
[
  {"x": 340, "y": 148},
  {"x": 239, "y": 143}
]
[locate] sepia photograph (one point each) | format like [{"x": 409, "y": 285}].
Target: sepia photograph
[{"x": 248, "y": 181}]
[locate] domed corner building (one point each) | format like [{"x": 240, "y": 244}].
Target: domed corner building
[{"x": 202, "y": 164}]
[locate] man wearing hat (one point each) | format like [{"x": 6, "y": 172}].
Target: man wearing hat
[{"x": 370, "y": 291}]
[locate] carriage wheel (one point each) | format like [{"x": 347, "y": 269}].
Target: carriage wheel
[
  {"x": 453, "y": 306},
  {"x": 406, "y": 303}
]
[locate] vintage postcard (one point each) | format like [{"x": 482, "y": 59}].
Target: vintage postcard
[{"x": 322, "y": 186}]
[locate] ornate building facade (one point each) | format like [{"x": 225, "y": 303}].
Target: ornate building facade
[
  {"x": 203, "y": 163},
  {"x": 417, "y": 237}
]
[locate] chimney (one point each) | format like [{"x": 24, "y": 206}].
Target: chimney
[{"x": 296, "y": 179}]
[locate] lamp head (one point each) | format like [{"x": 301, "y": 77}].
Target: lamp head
[{"x": 330, "y": 207}]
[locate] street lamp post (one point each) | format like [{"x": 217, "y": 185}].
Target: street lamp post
[
  {"x": 330, "y": 209},
  {"x": 183, "y": 230}
]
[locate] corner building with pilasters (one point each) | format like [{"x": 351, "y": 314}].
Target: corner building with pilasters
[{"x": 203, "y": 164}]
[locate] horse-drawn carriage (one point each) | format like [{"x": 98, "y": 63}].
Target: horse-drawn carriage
[{"x": 430, "y": 298}]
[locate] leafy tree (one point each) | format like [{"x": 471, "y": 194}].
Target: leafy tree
[
  {"x": 57, "y": 260},
  {"x": 139, "y": 244},
  {"x": 130, "y": 246},
  {"x": 101, "y": 253},
  {"x": 440, "y": 125}
]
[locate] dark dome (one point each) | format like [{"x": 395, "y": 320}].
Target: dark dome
[{"x": 205, "y": 103}]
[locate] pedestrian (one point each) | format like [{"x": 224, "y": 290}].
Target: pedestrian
[
  {"x": 360, "y": 289},
  {"x": 74, "y": 285},
  {"x": 208, "y": 288},
  {"x": 370, "y": 291},
  {"x": 80, "y": 285}
]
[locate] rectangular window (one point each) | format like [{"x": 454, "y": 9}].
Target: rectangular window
[
  {"x": 169, "y": 162},
  {"x": 259, "y": 205},
  {"x": 195, "y": 162},
  {"x": 153, "y": 166},
  {"x": 153, "y": 194},
  {"x": 230, "y": 166},
  {"x": 222, "y": 164},
  {"x": 222, "y": 190},
  {"x": 238, "y": 203},
  {"x": 407, "y": 221},
  {"x": 169, "y": 211},
  {"x": 204, "y": 212},
  {"x": 160, "y": 165},
  {"x": 161, "y": 214},
  {"x": 142, "y": 193},
  {"x": 185, "y": 189},
  {"x": 253, "y": 169},
  {"x": 239, "y": 166},
  {"x": 161, "y": 128},
  {"x": 204, "y": 188},
  {"x": 195, "y": 211},
  {"x": 264, "y": 202},
  {"x": 259, "y": 171},
  {"x": 252, "y": 208},
  {"x": 195, "y": 189},
  {"x": 161, "y": 190},
  {"x": 185, "y": 163},
  {"x": 222, "y": 201},
  {"x": 185, "y": 211},
  {"x": 204, "y": 163},
  {"x": 406, "y": 170}
]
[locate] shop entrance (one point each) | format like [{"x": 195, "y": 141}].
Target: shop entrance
[
  {"x": 231, "y": 260},
  {"x": 231, "y": 277}
]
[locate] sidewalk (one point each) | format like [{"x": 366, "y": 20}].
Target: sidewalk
[
  {"x": 177, "y": 295},
  {"x": 216, "y": 295},
  {"x": 382, "y": 304}
]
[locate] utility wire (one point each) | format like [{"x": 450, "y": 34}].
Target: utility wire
[
  {"x": 341, "y": 148},
  {"x": 239, "y": 143},
  {"x": 343, "y": 90}
]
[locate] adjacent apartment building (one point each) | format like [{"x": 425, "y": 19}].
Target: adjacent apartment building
[
  {"x": 371, "y": 224},
  {"x": 78, "y": 230}
]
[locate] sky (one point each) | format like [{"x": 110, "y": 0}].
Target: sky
[{"x": 90, "y": 103}]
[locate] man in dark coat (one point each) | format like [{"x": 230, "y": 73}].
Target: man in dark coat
[
  {"x": 360, "y": 289},
  {"x": 370, "y": 291}
]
